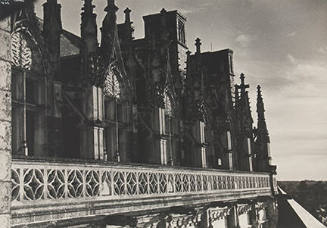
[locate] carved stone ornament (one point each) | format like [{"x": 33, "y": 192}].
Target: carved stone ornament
[
  {"x": 21, "y": 53},
  {"x": 111, "y": 84}
]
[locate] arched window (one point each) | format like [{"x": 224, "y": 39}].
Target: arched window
[
  {"x": 27, "y": 82},
  {"x": 111, "y": 84},
  {"x": 115, "y": 113},
  {"x": 21, "y": 53}
]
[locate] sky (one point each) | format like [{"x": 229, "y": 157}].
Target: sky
[{"x": 279, "y": 44}]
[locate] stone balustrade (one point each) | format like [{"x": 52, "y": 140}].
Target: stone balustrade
[{"x": 70, "y": 190}]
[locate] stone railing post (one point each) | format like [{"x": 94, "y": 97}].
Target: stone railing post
[{"x": 5, "y": 122}]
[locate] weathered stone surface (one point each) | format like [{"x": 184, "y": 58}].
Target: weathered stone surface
[
  {"x": 5, "y": 193},
  {"x": 5, "y": 164},
  {"x": 5, "y": 220},
  {"x": 5, "y": 24},
  {"x": 5, "y": 49},
  {"x": 5, "y": 69},
  {"x": 5, "y": 124},
  {"x": 5, "y": 104},
  {"x": 5, "y": 136}
]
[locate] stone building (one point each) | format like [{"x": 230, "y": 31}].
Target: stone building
[{"x": 95, "y": 124}]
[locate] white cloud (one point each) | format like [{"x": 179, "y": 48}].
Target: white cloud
[
  {"x": 323, "y": 50},
  {"x": 291, "y": 34},
  {"x": 291, "y": 58},
  {"x": 186, "y": 11},
  {"x": 244, "y": 40}
]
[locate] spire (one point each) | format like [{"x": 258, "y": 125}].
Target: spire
[
  {"x": 243, "y": 105},
  {"x": 111, "y": 7},
  {"x": 52, "y": 18},
  {"x": 52, "y": 29},
  {"x": 262, "y": 126},
  {"x": 89, "y": 30},
  {"x": 242, "y": 97},
  {"x": 243, "y": 86},
  {"x": 263, "y": 139},
  {"x": 260, "y": 105},
  {"x": 127, "y": 12},
  {"x": 88, "y": 8},
  {"x": 198, "y": 45},
  {"x": 109, "y": 28},
  {"x": 126, "y": 30}
]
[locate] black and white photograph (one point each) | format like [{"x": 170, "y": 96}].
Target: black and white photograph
[{"x": 163, "y": 113}]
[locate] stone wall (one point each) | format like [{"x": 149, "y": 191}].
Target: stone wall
[{"x": 5, "y": 123}]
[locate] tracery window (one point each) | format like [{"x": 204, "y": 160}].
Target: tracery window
[
  {"x": 25, "y": 93},
  {"x": 21, "y": 53},
  {"x": 111, "y": 84},
  {"x": 114, "y": 112}
]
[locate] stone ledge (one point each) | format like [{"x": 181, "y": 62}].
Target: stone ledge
[{"x": 68, "y": 210}]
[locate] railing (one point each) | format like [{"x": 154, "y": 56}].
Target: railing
[{"x": 34, "y": 182}]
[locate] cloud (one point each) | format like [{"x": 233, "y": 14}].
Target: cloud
[
  {"x": 244, "y": 40},
  {"x": 291, "y": 34},
  {"x": 323, "y": 50},
  {"x": 291, "y": 58},
  {"x": 186, "y": 11}
]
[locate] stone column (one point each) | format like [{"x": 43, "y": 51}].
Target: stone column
[
  {"x": 5, "y": 123},
  {"x": 232, "y": 218}
]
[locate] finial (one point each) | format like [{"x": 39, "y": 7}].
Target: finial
[
  {"x": 111, "y": 6},
  {"x": 198, "y": 45},
  {"x": 127, "y": 12},
  {"x": 242, "y": 77},
  {"x": 242, "y": 86},
  {"x": 163, "y": 11},
  {"x": 88, "y": 7}
]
